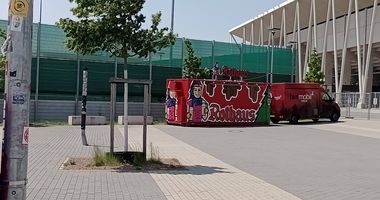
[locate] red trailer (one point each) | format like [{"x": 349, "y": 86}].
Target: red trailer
[
  {"x": 294, "y": 101},
  {"x": 193, "y": 102}
]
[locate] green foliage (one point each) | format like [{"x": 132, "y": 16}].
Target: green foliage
[
  {"x": 46, "y": 123},
  {"x": 192, "y": 68},
  {"x": 114, "y": 26},
  {"x": 103, "y": 159},
  {"x": 315, "y": 74},
  {"x": 2, "y": 60}
]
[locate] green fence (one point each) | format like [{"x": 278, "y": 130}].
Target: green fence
[{"x": 59, "y": 69}]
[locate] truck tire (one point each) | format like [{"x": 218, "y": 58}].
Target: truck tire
[
  {"x": 274, "y": 120},
  {"x": 334, "y": 117},
  {"x": 294, "y": 119}
]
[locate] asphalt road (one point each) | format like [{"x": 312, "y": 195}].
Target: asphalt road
[{"x": 301, "y": 159}]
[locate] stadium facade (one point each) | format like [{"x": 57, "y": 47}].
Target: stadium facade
[{"x": 346, "y": 34}]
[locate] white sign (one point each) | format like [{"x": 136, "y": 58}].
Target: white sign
[
  {"x": 16, "y": 23},
  {"x": 375, "y": 101},
  {"x": 349, "y": 100}
]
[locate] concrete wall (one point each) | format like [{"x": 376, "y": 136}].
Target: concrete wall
[{"x": 60, "y": 110}]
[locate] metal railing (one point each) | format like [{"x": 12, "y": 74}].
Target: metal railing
[{"x": 356, "y": 105}]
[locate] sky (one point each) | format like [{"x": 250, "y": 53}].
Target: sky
[{"x": 195, "y": 19}]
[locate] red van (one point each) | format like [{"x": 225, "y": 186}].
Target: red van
[{"x": 294, "y": 101}]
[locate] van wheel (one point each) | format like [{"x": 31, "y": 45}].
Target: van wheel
[
  {"x": 294, "y": 119},
  {"x": 315, "y": 120},
  {"x": 334, "y": 117},
  {"x": 274, "y": 120}
]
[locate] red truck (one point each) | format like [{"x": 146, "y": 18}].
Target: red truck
[{"x": 294, "y": 101}]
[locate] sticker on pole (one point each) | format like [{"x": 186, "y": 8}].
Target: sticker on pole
[
  {"x": 16, "y": 23},
  {"x": 20, "y": 7},
  {"x": 18, "y": 99},
  {"x": 25, "y": 136}
]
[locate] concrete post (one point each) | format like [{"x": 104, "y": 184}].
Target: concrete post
[{"x": 17, "y": 102}]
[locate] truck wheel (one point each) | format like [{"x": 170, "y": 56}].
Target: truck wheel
[
  {"x": 274, "y": 120},
  {"x": 334, "y": 117},
  {"x": 294, "y": 119}
]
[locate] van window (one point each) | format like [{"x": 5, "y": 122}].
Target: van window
[{"x": 325, "y": 97}]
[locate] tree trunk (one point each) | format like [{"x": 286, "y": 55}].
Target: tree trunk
[{"x": 125, "y": 105}]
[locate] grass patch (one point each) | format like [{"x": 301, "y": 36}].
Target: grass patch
[
  {"x": 159, "y": 121},
  {"x": 104, "y": 159},
  {"x": 46, "y": 123}
]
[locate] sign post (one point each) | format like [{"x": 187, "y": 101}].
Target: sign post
[{"x": 84, "y": 107}]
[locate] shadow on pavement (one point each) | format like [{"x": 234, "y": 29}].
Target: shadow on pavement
[
  {"x": 185, "y": 170},
  {"x": 306, "y": 123}
]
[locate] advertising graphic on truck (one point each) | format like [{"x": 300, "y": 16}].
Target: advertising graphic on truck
[{"x": 195, "y": 102}]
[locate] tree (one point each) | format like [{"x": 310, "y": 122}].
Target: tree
[
  {"x": 115, "y": 26},
  {"x": 2, "y": 61},
  {"x": 314, "y": 75},
  {"x": 192, "y": 68}
]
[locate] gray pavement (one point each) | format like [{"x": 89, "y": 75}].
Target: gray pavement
[
  {"x": 48, "y": 149},
  {"x": 311, "y": 161},
  {"x": 321, "y": 161}
]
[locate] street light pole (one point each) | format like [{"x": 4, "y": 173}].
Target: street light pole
[
  {"x": 172, "y": 30},
  {"x": 293, "y": 44},
  {"x": 273, "y": 31},
  {"x": 38, "y": 64}
]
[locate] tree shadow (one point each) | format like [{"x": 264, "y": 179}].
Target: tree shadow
[{"x": 183, "y": 170}]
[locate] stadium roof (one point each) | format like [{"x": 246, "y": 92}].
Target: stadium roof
[{"x": 341, "y": 7}]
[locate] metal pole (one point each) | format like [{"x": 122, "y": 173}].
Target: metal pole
[
  {"x": 241, "y": 56},
  {"x": 172, "y": 30},
  {"x": 84, "y": 107},
  {"x": 261, "y": 32},
  {"x": 116, "y": 64},
  {"x": 213, "y": 52},
  {"x": 38, "y": 64},
  {"x": 266, "y": 68},
  {"x": 271, "y": 63},
  {"x": 77, "y": 87},
  {"x": 145, "y": 117},
  {"x": 126, "y": 112},
  {"x": 369, "y": 104},
  {"x": 292, "y": 73},
  {"x": 112, "y": 116},
  {"x": 13, "y": 178},
  {"x": 284, "y": 32},
  {"x": 150, "y": 85}
]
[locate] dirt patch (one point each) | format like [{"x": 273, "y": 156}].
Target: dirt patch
[{"x": 89, "y": 164}]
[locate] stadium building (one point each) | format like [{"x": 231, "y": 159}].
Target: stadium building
[{"x": 346, "y": 34}]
